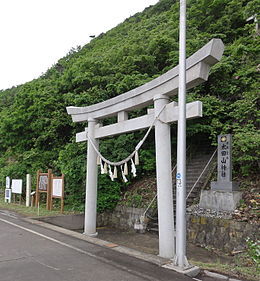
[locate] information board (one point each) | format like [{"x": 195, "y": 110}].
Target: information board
[
  {"x": 43, "y": 186},
  {"x": 17, "y": 186},
  {"x": 43, "y": 183},
  {"x": 57, "y": 188}
]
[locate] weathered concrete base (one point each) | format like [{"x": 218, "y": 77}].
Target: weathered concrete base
[
  {"x": 91, "y": 234},
  {"x": 219, "y": 200},
  {"x": 72, "y": 222},
  {"x": 191, "y": 271},
  {"x": 224, "y": 186}
]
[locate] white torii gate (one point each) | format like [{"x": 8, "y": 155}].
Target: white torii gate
[{"x": 157, "y": 91}]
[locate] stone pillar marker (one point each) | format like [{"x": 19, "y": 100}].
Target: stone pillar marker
[
  {"x": 224, "y": 194},
  {"x": 28, "y": 189},
  {"x": 224, "y": 181},
  {"x": 8, "y": 190}
]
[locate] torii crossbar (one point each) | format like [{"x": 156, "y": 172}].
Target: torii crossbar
[{"x": 157, "y": 91}]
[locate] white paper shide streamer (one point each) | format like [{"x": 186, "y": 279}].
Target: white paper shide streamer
[
  {"x": 110, "y": 173},
  {"x": 123, "y": 175},
  {"x": 133, "y": 168}
]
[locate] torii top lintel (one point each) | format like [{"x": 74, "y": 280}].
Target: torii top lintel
[{"x": 197, "y": 71}]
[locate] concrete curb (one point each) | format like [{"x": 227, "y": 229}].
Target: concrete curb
[
  {"x": 218, "y": 276},
  {"x": 215, "y": 275}
]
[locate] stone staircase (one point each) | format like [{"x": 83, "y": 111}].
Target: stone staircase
[{"x": 196, "y": 162}]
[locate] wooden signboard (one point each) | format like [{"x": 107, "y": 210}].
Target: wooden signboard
[
  {"x": 43, "y": 185},
  {"x": 57, "y": 190}
]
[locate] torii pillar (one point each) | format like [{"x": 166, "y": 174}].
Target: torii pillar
[
  {"x": 91, "y": 183},
  {"x": 164, "y": 181}
]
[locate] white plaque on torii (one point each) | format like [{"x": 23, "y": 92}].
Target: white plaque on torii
[{"x": 157, "y": 92}]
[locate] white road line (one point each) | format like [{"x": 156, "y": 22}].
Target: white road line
[
  {"x": 44, "y": 264},
  {"x": 8, "y": 214},
  {"x": 147, "y": 277},
  {"x": 49, "y": 238},
  {"x": 15, "y": 259}
]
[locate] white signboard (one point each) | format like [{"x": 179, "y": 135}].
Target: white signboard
[
  {"x": 57, "y": 188},
  {"x": 17, "y": 186},
  {"x": 7, "y": 182}
]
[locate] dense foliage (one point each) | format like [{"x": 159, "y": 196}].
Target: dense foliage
[{"x": 36, "y": 132}]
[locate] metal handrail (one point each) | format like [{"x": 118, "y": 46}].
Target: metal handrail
[
  {"x": 173, "y": 169},
  {"x": 149, "y": 205},
  {"x": 202, "y": 173}
]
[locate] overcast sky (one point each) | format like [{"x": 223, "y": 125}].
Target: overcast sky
[{"x": 36, "y": 33}]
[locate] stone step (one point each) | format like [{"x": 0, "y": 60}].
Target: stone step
[
  {"x": 193, "y": 179},
  {"x": 199, "y": 160},
  {"x": 193, "y": 194},
  {"x": 194, "y": 170},
  {"x": 153, "y": 229},
  {"x": 195, "y": 165},
  {"x": 191, "y": 175}
]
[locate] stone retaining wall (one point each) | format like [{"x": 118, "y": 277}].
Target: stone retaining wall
[
  {"x": 121, "y": 218},
  {"x": 224, "y": 234}
]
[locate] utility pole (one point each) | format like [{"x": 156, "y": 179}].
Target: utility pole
[{"x": 180, "y": 259}]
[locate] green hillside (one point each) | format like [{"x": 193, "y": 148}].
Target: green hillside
[{"x": 37, "y": 133}]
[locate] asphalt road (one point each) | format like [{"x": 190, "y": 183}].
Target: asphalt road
[{"x": 30, "y": 252}]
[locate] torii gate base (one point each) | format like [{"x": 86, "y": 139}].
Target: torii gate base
[
  {"x": 158, "y": 92},
  {"x": 191, "y": 271}
]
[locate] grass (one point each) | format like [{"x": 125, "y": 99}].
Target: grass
[
  {"x": 242, "y": 268},
  {"x": 31, "y": 211}
]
